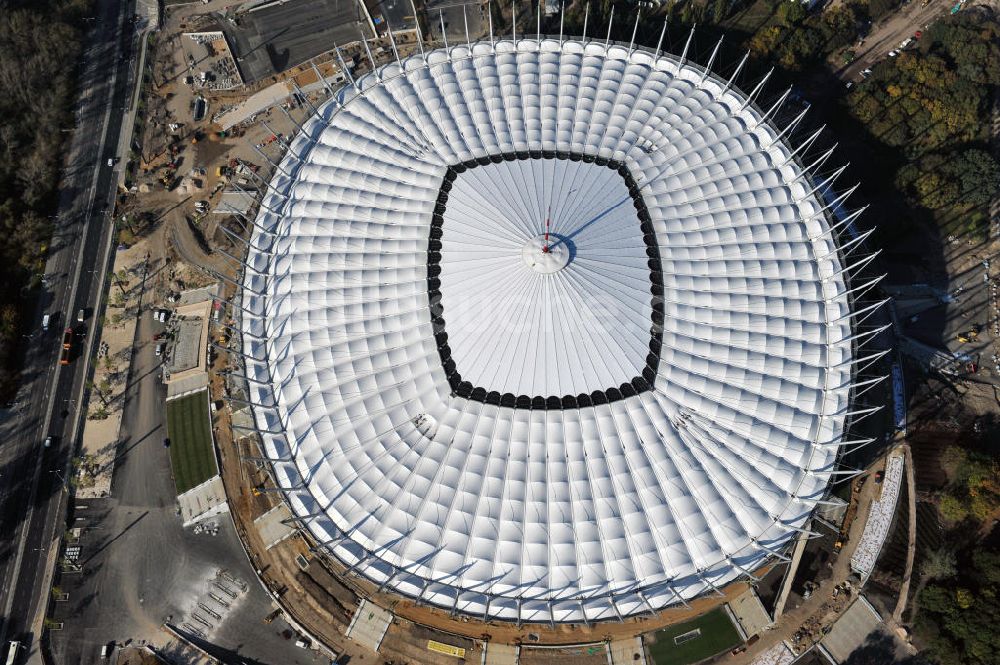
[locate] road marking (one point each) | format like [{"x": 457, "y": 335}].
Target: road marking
[{"x": 53, "y": 385}]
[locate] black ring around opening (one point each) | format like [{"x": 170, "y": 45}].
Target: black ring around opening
[{"x": 462, "y": 388}]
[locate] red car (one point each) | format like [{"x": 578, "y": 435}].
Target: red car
[{"x": 916, "y": 35}]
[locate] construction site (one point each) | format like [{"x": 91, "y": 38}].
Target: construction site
[{"x": 223, "y": 97}]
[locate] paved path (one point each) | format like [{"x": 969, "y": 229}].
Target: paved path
[{"x": 911, "y": 548}]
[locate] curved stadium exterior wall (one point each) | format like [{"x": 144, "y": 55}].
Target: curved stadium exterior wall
[{"x": 552, "y": 331}]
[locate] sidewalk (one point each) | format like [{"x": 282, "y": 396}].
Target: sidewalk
[{"x": 95, "y": 466}]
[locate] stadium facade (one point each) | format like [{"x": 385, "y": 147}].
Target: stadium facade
[{"x": 546, "y": 330}]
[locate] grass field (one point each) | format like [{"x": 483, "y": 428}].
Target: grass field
[
  {"x": 717, "y": 634},
  {"x": 189, "y": 429}
]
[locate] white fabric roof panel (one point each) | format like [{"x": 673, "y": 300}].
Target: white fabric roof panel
[{"x": 573, "y": 513}]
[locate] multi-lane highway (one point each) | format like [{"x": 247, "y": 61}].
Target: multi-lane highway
[{"x": 33, "y": 477}]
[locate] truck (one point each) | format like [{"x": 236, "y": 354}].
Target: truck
[{"x": 67, "y": 347}]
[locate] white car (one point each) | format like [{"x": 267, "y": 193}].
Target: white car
[{"x": 893, "y": 54}]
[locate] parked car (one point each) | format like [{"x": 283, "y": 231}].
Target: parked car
[
  {"x": 159, "y": 349},
  {"x": 81, "y": 316},
  {"x": 893, "y": 54}
]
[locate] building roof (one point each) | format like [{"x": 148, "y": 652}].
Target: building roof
[{"x": 645, "y": 411}]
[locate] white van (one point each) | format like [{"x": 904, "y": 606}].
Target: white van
[{"x": 45, "y": 321}]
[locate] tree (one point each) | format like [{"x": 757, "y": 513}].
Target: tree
[
  {"x": 952, "y": 509},
  {"x": 939, "y": 564},
  {"x": 792, "y": 12}
]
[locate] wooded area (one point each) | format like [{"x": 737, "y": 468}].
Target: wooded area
[
  {"x": 40, "y": 42},
  {"x": 932, "y": 104}
]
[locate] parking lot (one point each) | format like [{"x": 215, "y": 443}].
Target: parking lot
[{"x": 271, "y": 40}]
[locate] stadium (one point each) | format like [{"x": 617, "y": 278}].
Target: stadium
[{"x": 546, "y": 330}]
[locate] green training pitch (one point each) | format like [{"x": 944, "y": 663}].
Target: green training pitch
[
  {"x": 717, "y": 635},
  {"x": 190, "y": 432}
]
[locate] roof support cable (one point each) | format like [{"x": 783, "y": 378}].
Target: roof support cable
[
  {"x": 285, "y": 143},
  {"x": 395, "y": 51},
  {"x": 371, "y": 59},
  {"x": 687, "y": 45},
  {"x": 804, "y": 146},
  {"x": 562, "y": 17},
  {"x": 465, "y": 21},
  {"x": 270, "y": 161},
  {"x": 867, "y": 335},
  {"x": 292, "y": 120},
  {"x": 238, "y": 285},
  {"x": 659, "y": 42},
  {"x": 861, "y": 445},
  {"x": 859, "y": 265},
  {"x": 420, "y": 33},
  {"x": 538, "y": 24},
  {"x": 489, "y": 15},
  {"x": 635, "y": 29},
  {"x": 347, "y": 70},
  {"x": 444, "y": 35},
  {"x": 243, "y": 377},
  {"x": 868, "y": 384},
  {"x": 860, "y": 414},
  {"x": 305, "y": 97},
  {"x": 826, "y": 183},
  {"x": 753, "y": 94},
  {"x": 230, "y": 351},
  {"x": 774, "y": 108},
  {"x": 238, "y": 331},
  {"x": 711, "y": 59},
  {"x": 260, "y": 430},
  {"x": 736, "y": 73},
  {"x": 321, "y": 79}
]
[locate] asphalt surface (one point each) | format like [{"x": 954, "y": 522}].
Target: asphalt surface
[
  {"x": 455, "y": 15},
  {"x": 31, "y": 477},
  {"x": 141, "y": 567},
  {"x": 269, "y": 41}
]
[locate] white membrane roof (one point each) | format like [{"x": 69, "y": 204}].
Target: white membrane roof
[
  {"x": 515, "y": 326},
  {"x": 380, "y": 270}
]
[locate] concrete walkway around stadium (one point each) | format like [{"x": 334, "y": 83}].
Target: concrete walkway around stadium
[{"x": 820, "y": 609}]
